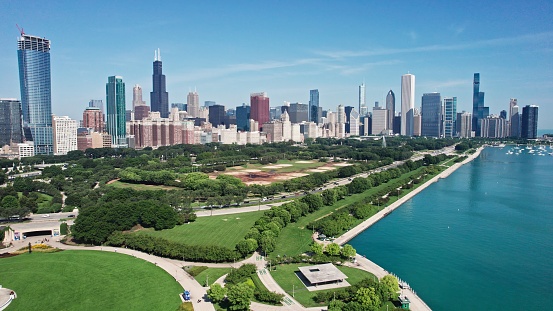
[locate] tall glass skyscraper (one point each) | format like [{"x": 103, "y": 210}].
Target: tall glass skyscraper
[
  {"x": 242, "y": 117},
  {"x": 529, "y": 126},
  {"x": 362, "y": 99},
  {"x": 115, "y": 102},
  {"x": 479, "y": 112},
  {"x": 431, "y": 115},
  {"x": 159, "y": 98},
  {"x": 33, "y": 55},
  {"x": 11, "y": 130},
  {"x": 450, "y": 116},
  {"x": 314, "y": 106}
]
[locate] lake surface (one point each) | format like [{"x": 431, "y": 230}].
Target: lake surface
[{"x": 481, "y": 239}]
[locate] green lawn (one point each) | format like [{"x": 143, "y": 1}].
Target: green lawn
[
  {"x": 224, "y": 230},
  {"x": 295, "y": 239},
  {"x": 285, "y": 276},
  {"x": 87, "y": 280},
  {"x": 211, "y": 275}
]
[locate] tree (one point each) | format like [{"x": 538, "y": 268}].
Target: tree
[
  {"x": 329, "y": 197},
  {"x": 314, "y": 201},
  {"x": 348, "y": 251},
  {"x": 216, "y": 292},
  {"x": 10, "y": 206},
  {"x": 368, "y": 298},
  {"x": 389, "y": 285},
  {"x": 317, "y": 248},
  {"x": 239, "y": 296},
  {"x": 333, "y": 249}
]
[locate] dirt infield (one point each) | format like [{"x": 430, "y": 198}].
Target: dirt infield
[{"x": 270, "y": 173}]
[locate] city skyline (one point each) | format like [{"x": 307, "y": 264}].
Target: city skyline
[{"x": 510, "y": 56}]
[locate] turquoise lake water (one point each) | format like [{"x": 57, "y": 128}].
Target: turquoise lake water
[{"x": 481, "y": 239}]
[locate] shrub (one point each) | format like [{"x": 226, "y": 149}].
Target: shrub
[
  {"x": 196, "y": 270},
  {"x": 264, "y": 295},
  {"x": 186, "y": 306},
  {"x": 241, "y": 274},
  {"x": 64, "y": 229}
]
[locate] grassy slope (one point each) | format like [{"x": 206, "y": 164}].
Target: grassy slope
[
  {"x": 295, "y": 239},
  {"x": 285, "y": 277},
  {"x": 211, "y": 275},
  {"x": 87, "y": 280},
  {"x": 224, "y": 230},
  {"x": 140, "y": 187}
]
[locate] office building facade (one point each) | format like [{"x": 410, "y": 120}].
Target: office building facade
[
  {"x": 407, "y": 104},
  {"x": 243, "y": 117},
  {"x": 431, "y": 115},
  {"x": 11, "y": 126},
  {"x": 259, "y": 108},
  {"x": 314, "y": 115},
  {"x": 65, "y": 134},
  {"x": 216, "y": 115},
  {"x": 93, "y": 118},
  {"x": 193, "y": 104},
  {"x": 391, "y": 107},
  {"x": 159, "y": 98},
  {"x": 450, "y": 116},
  {"x": 33, "y": 56},
  {"x": 529, "y": 122},
  {"x": 479, "y": 111},
  {"x": 115, "y": 103},
  {"x": 298, "y": 113}
]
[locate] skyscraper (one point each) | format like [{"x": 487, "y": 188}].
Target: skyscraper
[
  {"x": 216, "y": 115},
  {"x": 298, "y": 112},
  {"x": 65, "y": 134},
  {"x": 479, "y": 112},
  {"x": 115, "y": 102},
  {"x": 159, "y": 98},
  {"x": 314, "y": 106},
  {"x": 362, "y": 98},
  {"x": 464, "y": 124},
  {"x": 529, "y": 126},
  {"x": 11, "y": 128},
  {"x": 514, "y": 121},
  {"x": 137, "y": 97},
  {"x": 98, "y": 103},
  {"x": 242, "y": 117},
  {"x": 193, "y": 104},
  {"x": 450, "y": 115},
  {"x": 407, "y": 104},
  {"x": 391, "y": 107},
  {"x": 259, "y": 111},
  {"x": 431, "y": 115},
  {"x": 93, "y": 118},
  {"x": 33, "y": 55}
]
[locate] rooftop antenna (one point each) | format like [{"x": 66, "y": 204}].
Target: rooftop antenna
[
  {"x": 21, "y": 31},
  {"x": 155, "y": 55},
  {"x": 158, "y": 54}
]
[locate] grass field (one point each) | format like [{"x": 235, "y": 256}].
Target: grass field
[
  {"x": 224, "y": 230},
  {"x": 211, "y": 275},
  {"x": 295, "y": 239},
  {"x": 285, "y": 276},
  {"x": 87, "y": 280}
]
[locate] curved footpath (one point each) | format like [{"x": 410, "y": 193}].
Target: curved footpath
[
  {"x": 199, "y": 293},
  {"x": 363, "y": 263}
]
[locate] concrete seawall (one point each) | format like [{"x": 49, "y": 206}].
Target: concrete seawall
[{"x": 363, "y": 263}]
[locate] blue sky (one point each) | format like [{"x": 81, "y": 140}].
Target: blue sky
[{"x": 228, "y": 49}]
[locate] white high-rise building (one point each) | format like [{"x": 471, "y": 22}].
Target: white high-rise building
[
  {"x": 353, "y": 123},
  {"x": 193, "y": 104},
  {"x": 380, "y": 120},
  {"x": 137, "y": 97},
  {"x": 362, "y": 99},
  {"x": 341, "y": 115},
  {"x": 407, "y": 104},
  {"x": 65, "y": 134}
]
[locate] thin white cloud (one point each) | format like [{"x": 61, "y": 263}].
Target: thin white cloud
[
  {"x": 413, "y": 35},
  {"x": 530, "y": 38},
  {"x": 446, "y": 84}
]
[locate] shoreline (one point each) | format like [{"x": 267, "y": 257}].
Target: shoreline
[{"x": 363, "y": 263}]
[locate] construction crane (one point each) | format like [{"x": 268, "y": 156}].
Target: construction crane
[{"x": 21, "y": 31}]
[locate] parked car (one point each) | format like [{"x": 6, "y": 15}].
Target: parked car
[
  {"x": 71, "y": 216},
  {"x": 45, "y": 215}
]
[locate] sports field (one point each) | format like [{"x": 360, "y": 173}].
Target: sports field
[
  {"x": 224, "y": 230},
  {"x": 87, "y": 280}
]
